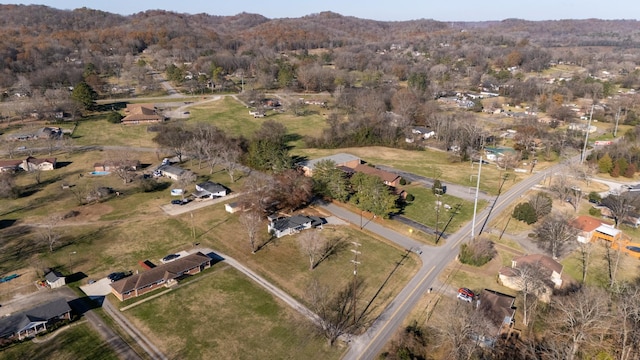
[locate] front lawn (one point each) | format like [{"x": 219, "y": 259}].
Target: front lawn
[
  {"x": 77, "y": 342},
  {"x": 228, "y": 316}
]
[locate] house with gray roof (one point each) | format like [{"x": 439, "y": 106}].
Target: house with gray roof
[
  {"x": 172, "y": 172},
  {"x": 209, "y": 189},
  {"x": 292, "y": 225},
  {"x": 55, "y": 279},
  {"x": 340, "y": 159},
  {"x": 31, "y": 322}
]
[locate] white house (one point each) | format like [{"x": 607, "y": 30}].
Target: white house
[
  {"x": 292, "y": 225},
  {"x": 54, "y": 279},
  {"x": 210, "y": 189},
  {"x": 172, "y": 172}
]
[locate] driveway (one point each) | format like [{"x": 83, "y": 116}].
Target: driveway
[
  {"x": 98, "y": 289},
  {"x": 174, "y": 210}
]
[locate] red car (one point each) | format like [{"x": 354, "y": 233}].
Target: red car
[{"x": 466, "y": 292}]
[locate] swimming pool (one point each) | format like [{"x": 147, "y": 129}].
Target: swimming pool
[{"x": 100, "y": 173}]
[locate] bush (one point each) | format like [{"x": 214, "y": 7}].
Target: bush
[
  {"x": 477, "y": 253},
  {"x": 595, "y": 212},
  {"x": 595, "y": 197},
  {"x": 403, "y": 181},
  {"x": 410, "y": 198},
  {"x": 114, "y": 117},
  {"x": 526, "y": 213}
]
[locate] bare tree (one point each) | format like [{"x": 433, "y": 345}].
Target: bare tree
[
  {"x": 49, "y": 233},
  {"x": 612, "y": 256},
  {"x": 311, "y": 244},
  {"x": 555, "y": 232},
  {"x": 530, "y": 280},
  {"x": 186, "y": 179},
  {"x": 456, "y": 324},
  {"x": 619, "y": 206},
  {"x": 122, "y": 165},
  {"x": 252, "y": 220},
  {"x": 584, "y": 251},
  {"x": 230, "y": 157},
  {"x": 579, "y": 320},
  {"x": 8, "y": 187},
  {"x": 335, "y": 310},
  {"x": 541, "y": 204},
  {"x": 627, "y": 329}
]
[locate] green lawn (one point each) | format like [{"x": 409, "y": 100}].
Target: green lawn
[
  {"x": 102, "y": 132},
  {"x": 227, "y": 316},
  {"x": 76, "y": 342}
]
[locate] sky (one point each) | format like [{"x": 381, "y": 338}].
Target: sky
[{"x": 385, "y": 10}]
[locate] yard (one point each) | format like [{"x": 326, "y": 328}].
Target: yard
[
  {"x": 227, "y": 316},
  {"x": 78, "y": 342}
]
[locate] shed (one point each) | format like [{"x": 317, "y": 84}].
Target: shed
[{"x": 55, "y": 279}]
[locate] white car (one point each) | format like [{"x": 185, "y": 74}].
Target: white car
[{"x": 464, "y": 297}]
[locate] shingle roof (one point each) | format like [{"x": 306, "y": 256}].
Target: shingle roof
[
  {"x": 338, "y": 159},
  {"x": 385, "y": 176},
  {"x": 291, "y": 222},
  {"x": 52, "y": 276},
  {"x": 539, "y": 259},
  {"x": 11, "y": 324},
  {"x": 164, "y": 272},
  {"x": 497, "y": 306},
  {"x": 212, "y": 187},
  {"x": 586, "y": 223}
]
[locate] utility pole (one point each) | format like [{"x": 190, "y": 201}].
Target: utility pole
[
  {"x": 504, "y": 179},
  {"x": 475, "y": 202},
  {"x": 586, "y": 138},
  {"x": 615, "y": 129},
  {"x": 70, "y": 265},
  {"x": 355, "y": 275},
  {"x": 438, "y": 194}
]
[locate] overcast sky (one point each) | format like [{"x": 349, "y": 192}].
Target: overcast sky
[{"x": 388, "y": 10}]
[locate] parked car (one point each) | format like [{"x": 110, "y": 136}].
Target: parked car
[
  {"x": 466, "y": 292},
  {"x": 177, "y": 202},
  {"x": 115, "y": 276},
  {"x": 464, "y": 297},
  {"x": 170, "y": 257}
]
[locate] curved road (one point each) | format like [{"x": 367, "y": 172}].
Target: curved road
[{"x": 435, "y": 260}]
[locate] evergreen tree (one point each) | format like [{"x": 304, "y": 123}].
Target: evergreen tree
[
  {"x": 605, "y": 164},
  {"x": 85, "y": 95}
]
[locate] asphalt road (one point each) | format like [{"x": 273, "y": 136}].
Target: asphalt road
[{"x": 435, "y": 260}]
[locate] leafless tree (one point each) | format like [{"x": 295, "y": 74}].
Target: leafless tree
[
  {"x": 555, "y": 232},
  {"x": 122, "y": 165},
  {"x": 48, "y": 232},
  {"x": 251, "y": 220},
  {"x": 336, "y": 314},
  {"x": 579, "y": 321},
  {"x": 456, "y": 324},
  {"x": 186, "y": 179},
  {"x": 620, "y": 205},
  {"x": 541, "y": 203},
  {"x": 312, "y": 244},
  {"x": 532, "y": 286},
  {"x": 230, "y": 158},
  {"x": 613, "y": 251},
  {"x": 8, "y": 187},
  {"x": 627, "y": 322},
  {"x": 584, "y": 251}
]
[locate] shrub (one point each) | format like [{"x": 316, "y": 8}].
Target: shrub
[
  {"x": 477, "y": 252},
  {"x": 114, "y": 117},
  {"x": 595, "y": 212},
  {"x": 410, "y": 198},
  {"x": 403, "y": 181},
  {"x": 525, "y": 212}
]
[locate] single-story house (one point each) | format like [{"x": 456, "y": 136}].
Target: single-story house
[
  {"x": 161, "y": 275},
  {"x": 550, "y": 271},
  {"x": 291, "y": 225},
  {"x": 172, "y": 172},
  {"x": 586, "y": 226},
  {"x": 54, "y": 279},
  {"x": 607, "y": 232},
  {"x": 30, "y": 322},
  {"x": 390, "y": 179},
  {"x": 494, "y": 153},
  {"x": 209, "y": 189},
  {"x": 423, "y": 132},
  {"x": 111, "y": 165},
  {"x": 340, "y": 159},
  {"x": 31, "y": 163},
  {"x": 499, "y": 309},
  {"x": 10, "y": 165},
  {"x": 141, "y": 114}
]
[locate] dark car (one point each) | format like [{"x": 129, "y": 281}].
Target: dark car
[
  {"x": 116, "y": 276},
  {"x": 170, "y": 257},
  {"x": 177, "y": 202}
]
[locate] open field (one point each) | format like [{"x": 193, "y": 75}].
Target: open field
[
  {"x": 77, "y": 341},
  {"x": 227, "y": 316}
]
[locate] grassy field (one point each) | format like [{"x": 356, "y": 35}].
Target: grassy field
[
  {"x": 227, "y": 316},
  {"x": 78, "y": 341}
]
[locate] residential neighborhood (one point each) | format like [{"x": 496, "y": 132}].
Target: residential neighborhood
[{"x": 178, "y": 184}]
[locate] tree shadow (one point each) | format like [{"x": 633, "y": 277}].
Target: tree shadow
[{"x": 5, "y": 223}]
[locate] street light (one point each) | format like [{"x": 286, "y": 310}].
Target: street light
[{"x": 70, "y": 267}]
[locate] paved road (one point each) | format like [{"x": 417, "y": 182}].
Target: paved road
[
  {"x": 435, "y": 260},
  {"x": 459, "y": 191}
]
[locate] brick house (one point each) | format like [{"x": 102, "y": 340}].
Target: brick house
[
  {"x": 141, "y": 114},
  {"x": 340, "y": 159},
  {"x": 388, "y": 178},
  {"x": 163, "y": 275}
]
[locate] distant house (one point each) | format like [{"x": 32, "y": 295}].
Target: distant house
[
  {"x": 162, "y": 275},
  {"x": 233, "y": 207},
  {"x": 10, "y": 165},
  {"x": 141, "y": 114},
  {"x": 423, "y": 132},
  {"x": 31, "y": 322},
  {"x": 44, "y": 133},
  {"x": 499, "y": 309},
  {"x": 54, "y": 279},
  {"x": 210, "y": 189},
  {"x": 550, "y": 270},
  {"x": 340, "y": 159},
  {"x": 291, "y": 225},
  {"x": 111, "y": 165},
  {"x": 31, "y": 164},
  {"x": 172, "y": 172},
  {"x": 495, "y": 153},
  {"x": 390, "y": 179}
]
